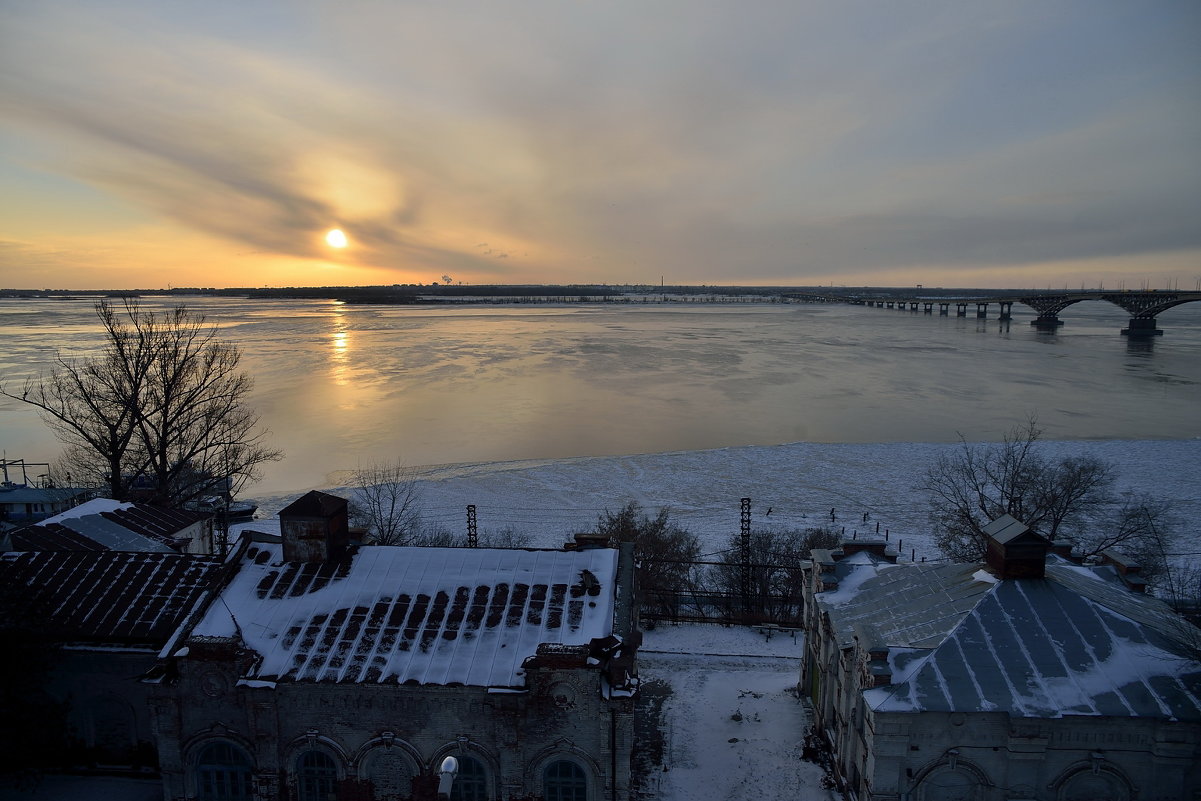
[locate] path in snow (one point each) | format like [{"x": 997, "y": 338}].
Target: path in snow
[{"x": 731, "y": 722}]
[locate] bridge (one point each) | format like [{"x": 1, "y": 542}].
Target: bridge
[{"x": 1143, "y": 307}]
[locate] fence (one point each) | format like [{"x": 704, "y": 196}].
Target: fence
[{"x": 729, "y": 593}]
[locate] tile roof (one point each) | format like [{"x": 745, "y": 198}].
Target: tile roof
[
  {"x": 106, "y": 597},
  {"x": 423, "y": 615},
  {"x": 1072, "y": 643}
]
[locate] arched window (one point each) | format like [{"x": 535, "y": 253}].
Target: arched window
[
  {"x": 946, "y": 784},
  {"x": 391, "y": 774},
  {"x": 564, "y": 780},
  {"x": 224, "y": 773},
  {"x": 317, "y": 776},
  {"x": 471, "y": 783},
  {"x": 1089, "y": 786}
]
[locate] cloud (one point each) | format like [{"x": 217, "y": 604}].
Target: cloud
[{"x": 698, "y": 140}]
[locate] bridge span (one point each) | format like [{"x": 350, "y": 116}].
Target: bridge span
[{"x": 1143, "y": 307}]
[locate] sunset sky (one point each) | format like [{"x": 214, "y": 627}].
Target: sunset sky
[{"x": 1025, "y": 144}]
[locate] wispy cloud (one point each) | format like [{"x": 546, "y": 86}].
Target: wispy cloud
[{"x": 617, "y": 141}]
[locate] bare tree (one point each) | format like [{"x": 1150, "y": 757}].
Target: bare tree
[
  {"x": 160, "y": 410},
  {"x": 777, "y": 562},
  {"x": 665, "y": 553},
  {"x": 387, "y": 501},
  {"x": 507, "y": 537},
  {"x": 1069, "y": 499}
]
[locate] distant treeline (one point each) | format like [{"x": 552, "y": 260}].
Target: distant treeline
[
  {"x": 445, "y": 293},
  {"x": 412, "y": 293}
]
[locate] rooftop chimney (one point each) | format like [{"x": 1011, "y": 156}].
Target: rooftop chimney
[
  {"x": 1014, "y": 551},
  {"x": 314, "y": 528},
  {"x": 874, "y": 547}
]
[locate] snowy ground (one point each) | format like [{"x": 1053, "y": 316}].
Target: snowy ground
[
  {"x": 790, "y": 486},
  {"x": 725, "y": 704}
]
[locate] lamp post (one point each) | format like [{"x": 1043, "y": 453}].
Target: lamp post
[{"x": 446, "y": 777}]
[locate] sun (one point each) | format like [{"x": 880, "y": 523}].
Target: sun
[{"x": 335, "y": 238}]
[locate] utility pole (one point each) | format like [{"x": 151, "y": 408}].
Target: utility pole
[{"x": 744, "y": 556}]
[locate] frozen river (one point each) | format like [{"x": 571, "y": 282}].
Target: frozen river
[{"x": 340, "y": 385}]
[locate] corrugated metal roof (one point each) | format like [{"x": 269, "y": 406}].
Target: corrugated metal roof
[
  {"x": 54, "y": 537},
  {"x": 107, "y": 597},
  {"x": 1071, "y": 643},
  {"x": 1006, "y": 528},
  {"x": 103, "y": 524},
  {"x": 426, "y": 615},
  {"x": 912, "y": 605}
]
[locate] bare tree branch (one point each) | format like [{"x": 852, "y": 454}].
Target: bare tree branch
[
  {"x": 1070, "y": 499},
  {"x": 387, "y": 502},
  {"x": 161, "y": 407}
]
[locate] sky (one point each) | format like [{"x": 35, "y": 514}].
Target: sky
[{"x": 1016, "y": 144}]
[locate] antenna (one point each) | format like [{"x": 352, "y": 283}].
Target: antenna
[{"x": 237, "y": 628}]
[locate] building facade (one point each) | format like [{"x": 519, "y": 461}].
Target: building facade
[
  {"x": 107, "y": 615},
  {"x": 325, "y": 670},
  {"x": 1028, "y": 677}
]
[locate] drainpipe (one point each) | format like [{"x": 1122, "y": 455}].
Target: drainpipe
[
  {"x": 613, "y": 754},
  {"x": 625, "y": 604}
]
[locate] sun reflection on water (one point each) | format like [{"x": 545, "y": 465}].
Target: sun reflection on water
[{"x": 339, "y": 340}]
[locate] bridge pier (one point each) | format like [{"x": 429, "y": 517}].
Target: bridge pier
[
  {"x": 889, "y": 303},
  {"x": 928, "y": 308},
  {"x": 981, "y": 309},
  {"x": 1006, "y": 309},
  {"x": 913, "y": 305},
  {"x": 943, "y": 308},
  {"x": 1142, "y": 327},
  {"x": 1049, "y": 321},
  {"x": 961, "y": 310}
]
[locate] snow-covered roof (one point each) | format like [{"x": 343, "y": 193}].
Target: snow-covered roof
[
  {"x": 1074, "y": 642},
  {"x": 138, "y": 598},
  {"x": 907, "y": 605},
  {"x": 402, "y": 614},
  {"x": 1006, "y": 528},
  {"x": 103, "y": 524},
  {"x": 93, "y": 507}
]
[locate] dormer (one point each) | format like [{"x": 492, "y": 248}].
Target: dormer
[{"x": 1014, "y": 550}]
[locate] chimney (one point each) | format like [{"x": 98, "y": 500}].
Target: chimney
[
  {"x": 878, "y": 548},
  {"x": 586, "y": 540},
  {"x": 1014, "y": 551},
  {"x": 1129, "y": 570},
  {"x": 314, "y": 528}
]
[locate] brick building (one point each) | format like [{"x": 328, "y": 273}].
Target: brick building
[
  {"x": 108, "y": 614},
  {"x": 324, "y": 670},
  {"x": 1028, "y": 677}
]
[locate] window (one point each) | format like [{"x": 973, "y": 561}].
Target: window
[
  {"x": 564, "y": 781},
  {"x": 317, "y": 776},
  {"x": 948, "y": 784},
  {"x": 224, "y": 773},
  {"x": 471, "y": 783},
  {"x": 1088, "y": 786},
  {"x": 391, "y": 774}
]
